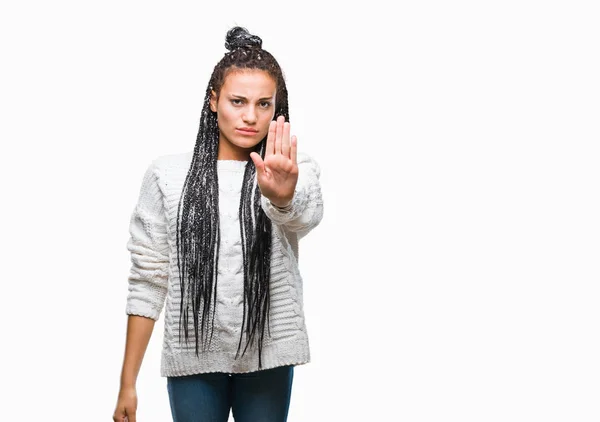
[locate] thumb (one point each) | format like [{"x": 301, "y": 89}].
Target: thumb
[{"x": 258, "y": 163}]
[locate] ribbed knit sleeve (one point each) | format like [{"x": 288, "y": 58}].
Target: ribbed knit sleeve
[
  {"x": 149, "y": 249},
  {"x": 306, "y": 210}
]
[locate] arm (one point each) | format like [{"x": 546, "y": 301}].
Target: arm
[
  {"x": 305, "y": 211},
  {"x": 139, "y": 331},
  {"x": 149, "y": 248},
  {"x": 148, "y": 283},
  {"x": 288, "y": 181}
]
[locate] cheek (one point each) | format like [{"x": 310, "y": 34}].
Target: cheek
[
  {"x": 264, "y": 126},
  {"x": 266, "y": 118},
  {"x": 225, "y": 116}
]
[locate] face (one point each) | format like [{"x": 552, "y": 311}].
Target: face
[{"x": 245, "y": 107}]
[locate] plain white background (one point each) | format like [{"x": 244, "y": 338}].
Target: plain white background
[{"x": 454, "y": 276}]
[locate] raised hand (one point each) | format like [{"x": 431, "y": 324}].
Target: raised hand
[{"x": 277, "y": 174}]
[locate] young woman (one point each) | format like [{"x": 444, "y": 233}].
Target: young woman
[{"x": 214, "y": 235}]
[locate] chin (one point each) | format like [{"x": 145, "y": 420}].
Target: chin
[{"x": 247, "y": 144}]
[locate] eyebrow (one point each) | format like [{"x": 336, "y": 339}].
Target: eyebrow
[{"x": 244, "y": 98}]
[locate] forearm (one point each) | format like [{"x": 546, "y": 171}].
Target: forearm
[
  {"x": 302, "y": 213},
  {"x": 139, "y": 331},
  {"x": 301, "y": 209}
]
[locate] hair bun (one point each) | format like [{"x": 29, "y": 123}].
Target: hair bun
[{"x": 239, "y": 37}]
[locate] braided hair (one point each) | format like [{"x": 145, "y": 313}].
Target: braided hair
[{"x": 198, "y": 231}]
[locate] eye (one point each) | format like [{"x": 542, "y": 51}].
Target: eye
[
  {"x": 265, "y": 104},
  {"x": 236, "y": 101}
]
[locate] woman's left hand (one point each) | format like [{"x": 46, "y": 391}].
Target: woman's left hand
[{"x": 277, "y": 174}]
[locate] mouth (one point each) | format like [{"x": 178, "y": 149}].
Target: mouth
[{"x": 246, "y": 131}]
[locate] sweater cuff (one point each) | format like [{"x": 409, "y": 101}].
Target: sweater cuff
[
  {"x": 282, "y": 215},
  {"x": 288, "y": 207}
]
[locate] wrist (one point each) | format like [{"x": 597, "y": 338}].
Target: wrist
[
  {"x": 127, "y": 386},
  {"x": 282, "y": 203},
  {"x": 127, "y": 382}
]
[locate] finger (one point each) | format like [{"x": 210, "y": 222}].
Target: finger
[
  {"x": 279, "y": 134},
  {"x": 294, "y": 150},
  {"x": 258, "y": 163},
  {"x": 285, "y": 141},
  {"x": 271, "y": 139},
  {"x": 131, "y": 416},
  {"x": 119, "y": 415}
]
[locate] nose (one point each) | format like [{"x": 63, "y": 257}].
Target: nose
[{"x": 249, "y": 115}]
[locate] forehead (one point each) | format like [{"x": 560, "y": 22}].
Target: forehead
[{"x": 249, "y": 83}]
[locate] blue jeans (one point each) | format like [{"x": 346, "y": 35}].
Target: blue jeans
[{"x": 262, "y": 396}]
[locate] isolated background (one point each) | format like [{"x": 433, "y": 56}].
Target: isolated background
[{"x": 455, "y": 274}]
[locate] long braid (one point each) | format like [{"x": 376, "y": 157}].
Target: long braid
[{"x": 198, "y": 224}]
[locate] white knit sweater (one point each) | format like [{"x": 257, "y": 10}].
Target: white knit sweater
[{"x": 154, "y": 277}]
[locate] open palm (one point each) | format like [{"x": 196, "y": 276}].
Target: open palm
[{"x": 277, "y": 174}]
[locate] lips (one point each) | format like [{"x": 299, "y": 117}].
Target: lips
[{"x": 246, "y": 131}]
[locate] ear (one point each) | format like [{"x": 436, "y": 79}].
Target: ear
[{"x": 213, "y": 101}]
